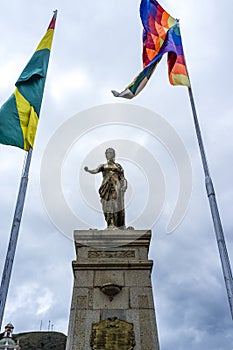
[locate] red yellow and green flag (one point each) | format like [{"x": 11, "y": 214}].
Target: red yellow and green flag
[
  {"x": 161, "y": 34},
  {"x": 19, "y": 115}
]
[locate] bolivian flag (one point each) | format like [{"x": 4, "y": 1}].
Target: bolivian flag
[{"x": 20, "y": 113}]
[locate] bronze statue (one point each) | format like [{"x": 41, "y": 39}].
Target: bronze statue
[{"x": 112, "y": 190}]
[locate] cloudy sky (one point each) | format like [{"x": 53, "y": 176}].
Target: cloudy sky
[{"x": 96, "y": 48}]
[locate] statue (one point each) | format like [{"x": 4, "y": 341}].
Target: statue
[{"x": 112, "y": 190}]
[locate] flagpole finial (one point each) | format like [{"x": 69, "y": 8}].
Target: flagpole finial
[{"x": 53, "y": 20}]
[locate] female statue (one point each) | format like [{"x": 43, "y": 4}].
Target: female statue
[{"x": 112, "y": 190}]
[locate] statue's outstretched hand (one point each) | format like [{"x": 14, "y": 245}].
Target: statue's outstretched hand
[{"x": 94, "y": 171}]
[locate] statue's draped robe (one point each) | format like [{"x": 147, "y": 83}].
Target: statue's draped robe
[{"x": 112, "y": 194}]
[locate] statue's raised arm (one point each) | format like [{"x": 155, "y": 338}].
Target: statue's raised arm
[
  {"x": 112, "y": 190},
  {"x": 94, "y": 171}
]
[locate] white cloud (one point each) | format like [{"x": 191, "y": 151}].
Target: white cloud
[
  {"x": 68, "y": 83},
  {"x": 30, "y": 297}
]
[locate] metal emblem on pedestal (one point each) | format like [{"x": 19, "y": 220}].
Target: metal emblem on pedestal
[{"x": 112, "y": 334}]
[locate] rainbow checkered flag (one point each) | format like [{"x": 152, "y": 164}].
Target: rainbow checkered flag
[
  {"x": 161, "y": 34},
  {"x": 19, "y": 115}
]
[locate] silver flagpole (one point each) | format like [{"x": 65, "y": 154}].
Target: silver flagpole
[
  {"x": 6, "y": 275},
  {"x": 225, "y": 261}
]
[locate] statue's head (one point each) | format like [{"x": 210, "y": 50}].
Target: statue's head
[{"x": 110, "y": 154}]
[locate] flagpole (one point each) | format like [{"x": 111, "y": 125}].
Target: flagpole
[
  {"x": 6, "y": 275},
  {"x": 31, "y": 115},
  {"x": 225, "y": 261}
]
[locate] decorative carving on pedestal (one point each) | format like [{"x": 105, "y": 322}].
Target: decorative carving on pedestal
[
  {"x": 112, "y": 334},
  {"x": 111, "y": 254},
  {"x": 110, "y": 289}
]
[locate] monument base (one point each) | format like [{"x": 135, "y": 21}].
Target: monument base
[{"x": 112, "y": 305}]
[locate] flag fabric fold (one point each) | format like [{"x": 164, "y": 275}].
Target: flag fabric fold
[
  {"x": 19, "y": 115},
  {"x": 161, "y": 34}
]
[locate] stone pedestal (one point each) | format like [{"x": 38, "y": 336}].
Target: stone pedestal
[{"x": 112, "y": 292}]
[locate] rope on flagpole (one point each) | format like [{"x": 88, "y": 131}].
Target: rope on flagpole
[
  {"x": 6, "y": 275},
  {"x": 225, "y": 261}
]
